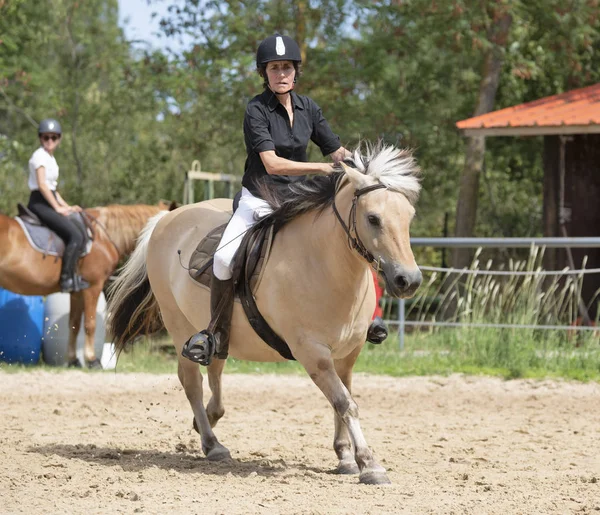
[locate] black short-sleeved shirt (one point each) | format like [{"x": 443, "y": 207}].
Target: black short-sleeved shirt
[{"x": 267, "y": 127}]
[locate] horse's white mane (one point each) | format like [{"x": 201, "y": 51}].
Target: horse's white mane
[{"x": 394, "y": 167}]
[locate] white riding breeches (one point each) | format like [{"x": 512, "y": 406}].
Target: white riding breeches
[{"x": 249, "y": 211}]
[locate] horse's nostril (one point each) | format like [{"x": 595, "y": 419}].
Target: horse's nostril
[{"x": 400, "y": 281}]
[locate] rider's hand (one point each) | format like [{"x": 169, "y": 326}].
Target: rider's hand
[
  {"x": 327, "y": 169},
  {"x": 63, "y": 210},
  {"x": 76, "y": 209}
]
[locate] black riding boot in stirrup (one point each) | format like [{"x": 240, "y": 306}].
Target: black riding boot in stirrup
[
  {"x": 71, "y": 282},
  {"x": 214, "y": 340},
  {"x": 377, "y": 331}
]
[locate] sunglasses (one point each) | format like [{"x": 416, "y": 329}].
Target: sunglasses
[{"x": 54, "y": 137}]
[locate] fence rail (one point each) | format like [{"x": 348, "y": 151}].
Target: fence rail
[
  {"x": 566, "y": 243},
  {"x": 514, "y": 243}
]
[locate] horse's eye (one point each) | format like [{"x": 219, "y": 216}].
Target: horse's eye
[{"x": 374, "y": 220}]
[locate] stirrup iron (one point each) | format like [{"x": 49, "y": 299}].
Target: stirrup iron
[
  {"x": 377, "y": 332},
  {"x": 200, "y": 348}
]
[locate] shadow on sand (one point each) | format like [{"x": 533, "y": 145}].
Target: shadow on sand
[{"x": 182, "y": 461}]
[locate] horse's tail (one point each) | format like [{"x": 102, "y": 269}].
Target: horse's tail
[{"x": 132, "y": 307}]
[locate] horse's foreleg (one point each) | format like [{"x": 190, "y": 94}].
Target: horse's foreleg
[
  {"x": 214, "y": 408},
  {"x": 75, "y": 312},
  {"x": 317, "y": 361},
  {"x": 342, "y": 443},
  {"x": 191, "y": 380},
  {"x": 90, "y": 302}
]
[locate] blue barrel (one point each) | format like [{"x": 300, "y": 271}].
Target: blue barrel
[{"x": 21, "y": 323}]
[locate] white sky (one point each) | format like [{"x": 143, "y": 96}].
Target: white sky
[{"x": 140, "y": 24}]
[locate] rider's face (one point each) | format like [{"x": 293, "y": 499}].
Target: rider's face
[
  {"x": 280, "y": 75},
  {"x": 50, "y": 140}
]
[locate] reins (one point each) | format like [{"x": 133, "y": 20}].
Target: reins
[
  {"x": 92, "y": 217},
  {"x": 354, "y": 242}
]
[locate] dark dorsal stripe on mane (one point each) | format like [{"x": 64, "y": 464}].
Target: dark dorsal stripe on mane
[
  {"x": 396, "y": 168},
  {"x": 314, "y": 194}
]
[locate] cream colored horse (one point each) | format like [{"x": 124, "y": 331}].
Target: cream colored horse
[{"x": 317, "y": 293}]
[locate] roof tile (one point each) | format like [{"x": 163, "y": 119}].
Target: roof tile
[{"x": 578, "y": 107}]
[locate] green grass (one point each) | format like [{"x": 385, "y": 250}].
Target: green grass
[
  {"x": 440, "y": 352},
  {"x": 507, "y": 353}
]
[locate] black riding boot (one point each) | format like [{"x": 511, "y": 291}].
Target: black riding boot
[
  {"x": 214, "y": 340},
  {"x": 69, "y": 280},
  {"x": 377, "y": 331}
]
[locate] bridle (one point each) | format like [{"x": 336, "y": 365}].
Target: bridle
[{"x": 354, "y": 242}]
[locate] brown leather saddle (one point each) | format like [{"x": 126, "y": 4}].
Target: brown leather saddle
[
  {"x": 248, "y": 267},
  {"x": 44, "y": 240}
]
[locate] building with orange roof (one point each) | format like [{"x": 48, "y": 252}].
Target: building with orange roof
[{"x": 570, "y": 125}]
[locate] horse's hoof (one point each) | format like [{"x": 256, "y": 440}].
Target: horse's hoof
[
  {"x": 94, "y": 364},
  {"x": 74, "y": 363},
  {"x": 218, "y": 453},
  {"x": 347, "y": 467},
  {"x": 373, "y": 477}
]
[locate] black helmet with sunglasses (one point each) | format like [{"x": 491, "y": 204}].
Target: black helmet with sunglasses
[{"x": 49, "y": 125}]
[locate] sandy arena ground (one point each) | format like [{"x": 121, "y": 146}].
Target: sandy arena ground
[{"x": 109, "y": 443}]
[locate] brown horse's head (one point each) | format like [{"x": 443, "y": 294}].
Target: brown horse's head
[
  {"x": 383, "y": 215},
  {"x": 168, "y": 205}
]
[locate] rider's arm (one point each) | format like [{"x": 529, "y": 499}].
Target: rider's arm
[
  {"x": 276, "y": 165},
  {"x": 61, "y": 200},
  {"x": 323, "y": 136}
]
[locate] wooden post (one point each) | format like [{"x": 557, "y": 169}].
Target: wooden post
[
  {"x": 196, "y": 167},
  {"x": 196, "y": 173}
]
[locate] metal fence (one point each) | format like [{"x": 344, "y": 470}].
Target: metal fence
[{"x": 567, "y": 243}]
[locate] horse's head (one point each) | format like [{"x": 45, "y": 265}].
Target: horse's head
[
  {"x": 386, "y": 187},
  {"x": 166, "y": 205}
]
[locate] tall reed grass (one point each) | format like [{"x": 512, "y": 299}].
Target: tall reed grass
[{"x": 516, "y": 300}]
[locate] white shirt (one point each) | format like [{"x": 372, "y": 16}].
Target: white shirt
[{"x": 41, "y": 158}]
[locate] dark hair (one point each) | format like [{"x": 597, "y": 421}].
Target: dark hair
[{"x": 262, "y": 71}]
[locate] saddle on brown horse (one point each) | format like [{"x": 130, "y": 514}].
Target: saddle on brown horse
[
  {"x": 248, "y": 268},
  {"x": 44, "y": 240}
]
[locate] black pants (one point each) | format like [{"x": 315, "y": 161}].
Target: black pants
[{"x": 63, "y": 227}]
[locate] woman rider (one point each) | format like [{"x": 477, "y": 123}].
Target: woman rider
[
  {"x": 50, "y": 207},
  {"x": 278, "y": 125}
]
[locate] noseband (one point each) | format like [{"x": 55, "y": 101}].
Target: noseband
[{"x": 354, "y": 242}]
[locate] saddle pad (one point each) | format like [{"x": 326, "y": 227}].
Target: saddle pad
[
  {"x": 200, "y": 265},
  {"x": 42, "y": 239}
]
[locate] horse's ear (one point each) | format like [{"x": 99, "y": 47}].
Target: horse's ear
[{"x": 357, "y": 179}]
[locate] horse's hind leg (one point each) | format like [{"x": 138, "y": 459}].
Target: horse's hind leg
[
  {"x": 317, "y": 361},
  {"x": 342, "y": 443},
  {"x": 191, "y": 380},
  {"x": 214, "y": 408}
]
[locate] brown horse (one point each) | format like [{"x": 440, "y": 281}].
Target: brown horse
[
  {"x": 27, "y": 271},
  {"x": 317, "y": 291}
]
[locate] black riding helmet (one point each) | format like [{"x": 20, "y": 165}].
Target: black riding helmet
[
  {"x": 277, "y": 48},
  {"x": 49, "y": 125}
]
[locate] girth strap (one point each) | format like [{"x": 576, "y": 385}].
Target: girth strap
[{"x": 244, "y": 263}]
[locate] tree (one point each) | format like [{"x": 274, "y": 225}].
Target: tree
[{"x": 466, "y": 207}]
